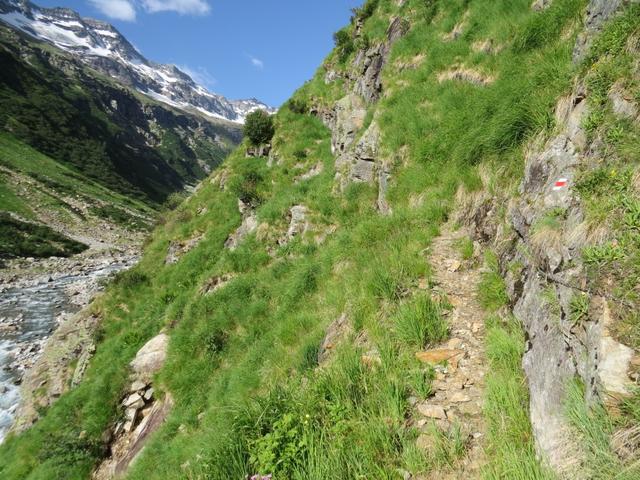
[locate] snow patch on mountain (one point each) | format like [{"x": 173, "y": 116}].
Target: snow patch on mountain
[{"x": 102, "y": 47}]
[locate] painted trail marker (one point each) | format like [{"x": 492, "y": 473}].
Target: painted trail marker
[{"x": 560, "y": 184}]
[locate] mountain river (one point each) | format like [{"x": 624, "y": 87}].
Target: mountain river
[{"x": 29, "y": 314}]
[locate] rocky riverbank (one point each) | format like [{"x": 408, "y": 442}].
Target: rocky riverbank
[{"x": 37, "y": 297}]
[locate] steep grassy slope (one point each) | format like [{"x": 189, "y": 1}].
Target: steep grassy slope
[
  {"x": 463, "y": 92},
  {"x": 35, "y": 188}
]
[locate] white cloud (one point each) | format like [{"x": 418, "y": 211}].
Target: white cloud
[
  {"x": 118, "y": 9},
  {"x": 200, "y": 75},
  {"x": 192, "y": 7},
  {"x": 256, "y": 62}
]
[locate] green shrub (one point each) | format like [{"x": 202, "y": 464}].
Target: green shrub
[
  {"x": 130, "y": 278},
  {"x": 298, "y": 105},
  {"x": 344, "y": 44},
  {"x": 430, "y": 10},
  {"x": 300, "y": 154},
  {"x": 259, "y": 127},
  {"x": 280, "y": 450},
  {"x": 174, "y": 200},
  {"x": 246, "y": 185}
]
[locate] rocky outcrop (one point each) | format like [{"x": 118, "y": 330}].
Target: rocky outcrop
[
  {"x": 368, "y": 64},
  {"x": 337, "y": 332},
  {"x": 143, "y": 412},
  {"x": 247, "y": 227},
  {"x": 150, "y": 358},
  {"x": 384, "y": 175},
  {"x": 177, "y": 249},
  {"x": 567, "y": 320},
  {"x": 359, "y": 163},
  {"x": 538, "y": 5},
  {"x": 346, "y": 119},
  {"x": 598, "y": 12},
  {"x": 623, "y": 103},
  {"x": 312, "y": 172},
  {"x": 259, "y": 151},
  {"x": 298, "y": 223},
  {"x": 545, "y": 280}
]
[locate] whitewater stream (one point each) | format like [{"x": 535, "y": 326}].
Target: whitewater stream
[{"x": 28, "y": 316}]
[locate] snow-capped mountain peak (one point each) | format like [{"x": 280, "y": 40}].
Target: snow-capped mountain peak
[{"x": 104, "y": 48}]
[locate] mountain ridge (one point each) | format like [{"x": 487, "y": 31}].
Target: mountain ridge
[{"x": 100, "y": 45}]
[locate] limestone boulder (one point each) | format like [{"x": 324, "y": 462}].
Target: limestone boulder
[{"x": 151, "y": 357}]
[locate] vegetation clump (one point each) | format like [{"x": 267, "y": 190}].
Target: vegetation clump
[
  {"x": 344, "y": 43},
  {"x": 259, "y": 127}
]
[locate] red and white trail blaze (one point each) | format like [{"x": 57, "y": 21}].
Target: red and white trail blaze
[{"x": 560, "y": 184}]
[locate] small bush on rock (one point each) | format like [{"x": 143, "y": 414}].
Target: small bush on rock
[
  {"x": 258, "y": 127},
  {"x": 298, "y": 106},
  {"x": 344, "y": 44}
]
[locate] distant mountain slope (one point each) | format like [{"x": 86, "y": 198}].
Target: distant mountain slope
[
  {"x": 101, "y": 46},
  {"x": 128, "y": 143},
  {"x": 85, "y": 155}
]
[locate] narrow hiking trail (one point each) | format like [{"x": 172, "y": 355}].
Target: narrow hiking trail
[{"x": 459, "y": 384}]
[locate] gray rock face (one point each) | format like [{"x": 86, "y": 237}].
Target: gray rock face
[
  {"x": 598, "y": 12},
  {"x": 544, "y": 275},
  {"x": 247, "y": 227},
  {"x": 345, "y": 122},
  {"x": 359, "y": 163},
  {"x": 383, "y": 185},
  {"x": 556, "y": 348},
  {"x": 541, "y": 4},
  {"x": 368, "y": 63},
  {"x": 623, "y": 103},
  {"x": 298, "y": 223},
  {"x": 259, "y": 151},
  {"x": 337, "y": 332}
]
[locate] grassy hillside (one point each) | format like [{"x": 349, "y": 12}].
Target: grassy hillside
[
  {"x": 36, "y": 189},
  {"x": 250, "y": 397}
]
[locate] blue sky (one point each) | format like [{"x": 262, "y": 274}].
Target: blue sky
[{"x": 238, "y": 48}]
